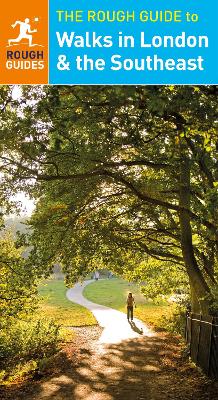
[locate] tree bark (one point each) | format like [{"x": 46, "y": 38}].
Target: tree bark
[
  {"x": 200, "y": 289},
  {"x": 195, "y": 305}
]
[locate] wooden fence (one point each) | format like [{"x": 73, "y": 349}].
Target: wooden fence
[{"x": 202, "y": 335}]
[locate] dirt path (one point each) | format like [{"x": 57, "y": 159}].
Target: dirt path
[
  {"x": 137, "y": 369},
  {"x": 143, "y": 367}
]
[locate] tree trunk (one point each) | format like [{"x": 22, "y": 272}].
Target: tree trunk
[
  {"x": 195, "y": 305},
  {"x": 198, "y": 284}
]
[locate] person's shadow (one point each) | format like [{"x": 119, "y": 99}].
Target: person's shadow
[{"x": 135, "y": 328}]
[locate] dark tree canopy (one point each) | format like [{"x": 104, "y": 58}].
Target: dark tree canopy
[{"x": 121, "y": 175}]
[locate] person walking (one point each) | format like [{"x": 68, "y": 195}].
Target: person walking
[
  {"x": 130, "y": 301},
  {"x": 97, "y": 275}
]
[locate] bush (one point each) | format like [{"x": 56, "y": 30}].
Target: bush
[
  {"x": 175, "y": 321},
  {"x": 26, "y": 342}
]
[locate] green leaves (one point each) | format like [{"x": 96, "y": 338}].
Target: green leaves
[
  {"x": 17, "y": 286},
  {"x": 105, "y": 165}
]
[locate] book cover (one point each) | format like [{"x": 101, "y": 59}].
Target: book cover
[{"x": 108, "y": 200}]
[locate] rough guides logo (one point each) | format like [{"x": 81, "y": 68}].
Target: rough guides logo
[
  {"x": 24, "y": 59},
  {"x": 24, "y": 43}
]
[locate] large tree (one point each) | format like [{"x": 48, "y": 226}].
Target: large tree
[{"x": 118, "y": 170}]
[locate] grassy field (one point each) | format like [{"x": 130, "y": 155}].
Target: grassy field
[
  {"x": 54, "y": 305},
  {"x": 113, "y": 293}
]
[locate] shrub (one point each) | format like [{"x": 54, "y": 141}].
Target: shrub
[
  {"x": 175, "y": 321},
  {"x": 22, "y": 342}
]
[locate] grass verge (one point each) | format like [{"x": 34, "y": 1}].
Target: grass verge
[
  {"x": 27, "y": 345},
  {"x": 54, "y": 305},
  {"x": 113, "y": 293}
]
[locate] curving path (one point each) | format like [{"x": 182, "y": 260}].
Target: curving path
[
  {"x": 127, "y": 364},
  {"x": 114, "y": 323}
]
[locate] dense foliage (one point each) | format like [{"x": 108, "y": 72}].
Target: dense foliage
[
  {"x": 25, "y": 345},
  {"x": 24, "y": 341},
  {"x": 18, "y": 282},
  {"x": 118, "y": 171}
]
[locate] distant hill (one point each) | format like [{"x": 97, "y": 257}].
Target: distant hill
[{"x": 15, "y": 224}]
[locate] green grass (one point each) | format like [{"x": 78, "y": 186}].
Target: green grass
[
  {"x": 113, "y": 293},
  {"x": 54, "y": 305}
]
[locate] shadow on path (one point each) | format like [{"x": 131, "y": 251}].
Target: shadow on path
[
  {"x": 125, "y": 363},
  {"x": 135, "y": 369},
  {"x": 135, "y": 328}
]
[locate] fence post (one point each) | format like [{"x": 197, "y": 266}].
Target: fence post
[
  {"x": 202, "y": 335},
  {"x": 205, "y": 343},
  {"x": 211, "y": 344},
  {"x": 199, "y": 335},
  {"x": 186, "y": 325},
  {"x": 213, "y": 364},
  {"x": 196, "y": 322}
]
